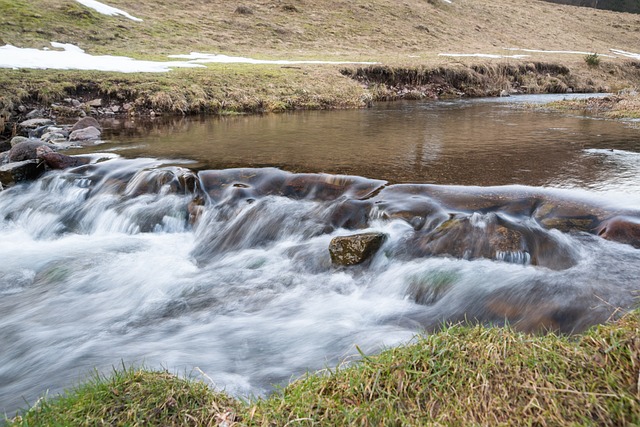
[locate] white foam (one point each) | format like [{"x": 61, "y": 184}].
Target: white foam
[{"x": 106, "y": 10}]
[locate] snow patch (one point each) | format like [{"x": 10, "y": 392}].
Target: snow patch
[
  {"x": 106, "y": 10},
  {"x": 207, "y": 58},
  {"x": 568, "y": 52},
  {"x": 625, "y": 53},
  {"x": 74, "y": 58},
  {"x": 482, "y": 55},
  {"x": 71, "y": 57}
]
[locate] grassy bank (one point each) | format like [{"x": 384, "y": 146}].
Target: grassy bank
[
  {"x": 405, "y": 39},
  {"x": 623, "y": 106},
  {"x": 460, "y": 376}
]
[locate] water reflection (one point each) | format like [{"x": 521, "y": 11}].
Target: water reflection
[{"x": 463, "y": 142}]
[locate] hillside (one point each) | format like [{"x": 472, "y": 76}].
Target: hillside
[
  {"x": 422, "y": 49},
  {"x": 377, "y": 30},
  {"x": 631, "y": 6}
]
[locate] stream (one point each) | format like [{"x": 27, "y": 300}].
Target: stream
[{"x": 200, "y": 245}]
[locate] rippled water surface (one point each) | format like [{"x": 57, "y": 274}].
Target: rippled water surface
[{"x": 138, "y": 260}]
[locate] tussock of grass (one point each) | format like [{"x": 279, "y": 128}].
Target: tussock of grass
[
  {"x": 625, "y": 106},
  {"x": 460, "y": 376}
]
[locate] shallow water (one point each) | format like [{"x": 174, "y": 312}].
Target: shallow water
[{"x": 114, "y": 263}]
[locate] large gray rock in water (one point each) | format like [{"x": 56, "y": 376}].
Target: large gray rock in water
[
  {"x": 86, "y": 122},
  {"x": 355, "y": 249},
  {"x": 35, "y": 123},
  {"x": 11, "y": 173},
  {"x": 27, "y": 150},
  {"x": 85, "y": 134}
]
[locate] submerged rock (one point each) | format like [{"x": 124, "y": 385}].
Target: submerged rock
[
  {"x": 621, "y": 229},
  {"x": 355, "y": 249}
]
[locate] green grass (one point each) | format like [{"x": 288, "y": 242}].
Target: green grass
[{"x": 460, "y": 376}]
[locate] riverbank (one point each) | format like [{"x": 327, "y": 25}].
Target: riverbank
[
  {"x": 245, "y": 89},
  {"x": 460, "y": 376},
  {"x": 421, "y": 50},
  {"x": 625, "y": 105}
]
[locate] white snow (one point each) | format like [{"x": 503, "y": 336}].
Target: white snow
[
  {"x": 482, "y": 55},
  {"x": 71, "y": 57},
  {"x": 206, "y": 58},
  {"x": 74, "y": 58},
  {"x": 625, "y": 53},
  {"x": 106, "y": 10},
  {"x": 569, "y": 52}
]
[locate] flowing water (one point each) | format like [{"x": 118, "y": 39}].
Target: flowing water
[{"x": 202, "y": 245}]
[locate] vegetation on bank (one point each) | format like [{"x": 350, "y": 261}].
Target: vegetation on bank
[
  {"x": 463, "y": 375},
  {"x": 620, "y": 106}
]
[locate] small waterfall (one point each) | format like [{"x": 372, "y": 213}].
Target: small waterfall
[{"x": 229, "y": 271}]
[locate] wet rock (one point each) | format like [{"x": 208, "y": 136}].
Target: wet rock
[
  {"x": 18, "y": 139},
  {"x": 85, "y": 134},
  {"x": 27, "y": 150},
  {"x": 622, "y": 229},
  {"x": 195, "y": 209},
  {"x": 14, "y": 172},
  {"x": 355, "y": 249},
  {"x": 60, "y": 161},
  {"x": 35, "y": 123},
  {"x": 86, "y": 122},
  {"x": 492, "y": 237},
  {"x": 5, "y": 146},
  {"x": 53, "y": 137}
]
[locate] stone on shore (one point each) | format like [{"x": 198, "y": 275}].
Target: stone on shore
[
  {"x": 86, "y": 122},
  {"x": 85, "y": 134}
]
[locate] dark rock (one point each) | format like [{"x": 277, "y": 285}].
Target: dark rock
[
  {"x": 621, "y": 229},
  {"x": 492, "y": 237},
  {"x": 27, "y": 150},
  {"x": 86, "y": 122},
  {"x": 85, "y": 134},
  {"x": 5, "y": 146},
  {"x": 60, "y": 161},
  {"x": 11, "y": 173},
  {"x": 355, "y": 249}
]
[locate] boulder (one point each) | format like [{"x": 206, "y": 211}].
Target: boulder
[
  {"x": 622, "y": 229},
  {"x": 86, "y": 122},
  {"x": 60, "y": 161},
  {"x": 85, "y": 134},
  {"x": 27, "y": 150},
  {"x": 35, "y": 114},
  {"x": 35, "y": 123},
  {"x": 13, "y": 172},
  {"x": 355, "y": 249},
  {"x": 17, "y": 139}
]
